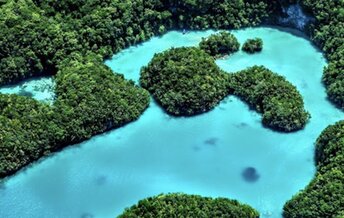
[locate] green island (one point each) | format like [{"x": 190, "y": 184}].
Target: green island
[
  {"x": 323, "y": 197},
  {"x": 253, "y": 45},
  {"x": 182, "y": 205},
  {"x": 70, "y": 39},
  {"x": 220, "y": 44},
  {"x": 185, "y": 81},
  {"x": 272, "y": 95}
]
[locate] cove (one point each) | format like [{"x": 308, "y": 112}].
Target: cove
[
  {"x": 41, "y": 89},
  {"x": 225, "y": 152}
]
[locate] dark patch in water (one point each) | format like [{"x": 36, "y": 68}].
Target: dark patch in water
[
  {"x": 211, "y": 141},
  {"x": 222, "y": 108},
  {"x": 250, "y": 174},
  {"x": 86, "y": 215},
  {"x": 2, "y": 186},
  {"x": 25, "y": 93},
  {"x": 196, "y": 148},
  {"x": 304, "y": 85},
  {"x": 101, "y": 180},
  {"x": 241, "y": 125}
]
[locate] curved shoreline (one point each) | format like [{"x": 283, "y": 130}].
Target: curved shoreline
[
  {"x": 127, "y": 69},
  {"x": 333, "y": 93}
]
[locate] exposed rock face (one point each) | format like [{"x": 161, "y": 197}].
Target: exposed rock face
[{"x": 294, "y": 16}]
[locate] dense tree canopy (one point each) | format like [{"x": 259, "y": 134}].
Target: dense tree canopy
[
  {"x": 272, "y": 95},
  {"x": 41, "y": 37},
  {"x": 182, "y": 205},
  {"x": 90, "y": 99},
  {"x": 185, "y": 81},
  {"x": 323, "y": 197},
  {"x": 328, "y": 34},
  {"x": 253, "y": 45},
  {"x": 220, "y": 44},
  {"x": 37, "y": 36}
]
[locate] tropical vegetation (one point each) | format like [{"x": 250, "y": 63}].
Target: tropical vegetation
[
  {"x": 327, "y": 33},
  {"x": 272, "y": 95},
  {"x": 70, "y": 38},
  {"x": 323, "y": 197},
  {"x": 184, "y": 81},
  {"x": 41, "y": 37},
  {"x": 220, "y": 44},
  {"x": 253, "y": 45},
  {"x": 182, "y": 205},
  {"x": 90, "y": 99}
]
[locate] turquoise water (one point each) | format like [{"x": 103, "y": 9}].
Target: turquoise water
[
  {"x": 41, "y": 89},
  {"x": 210, "y": 154}
]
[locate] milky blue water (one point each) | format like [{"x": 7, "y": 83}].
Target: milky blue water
[
  {"x": 225, "y": 152},
  {"x": 40, "y": 89}
]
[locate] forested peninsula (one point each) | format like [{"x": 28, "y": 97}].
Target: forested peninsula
[
  {"x": 272, "y": 95},
  {"x": 323, "y": 197},
  {"x": 70, "y": 39}
]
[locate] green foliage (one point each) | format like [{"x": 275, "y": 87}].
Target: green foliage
[
  {"x": 182, "y": 205},
  {"x": 253, "y": 45},
  {"x": 323, "y": 197},
  {"x": 329, "y": 147},
  {"x": 185, "y": 81},
  {"x": 220, "y": 14},
  {"x": 220, "y": 44},
  {"x": 26, "y": 128},
  {"x": 37, "y": 36},
  {"x": 41, "y": 37},
  {"x": 33, "y": 41},
  {"x": 100, "y": 99},
  {"x": 90, "y": 100},
  {"x": 327, "y": 33},
  {"x": 272, "y": 95}
]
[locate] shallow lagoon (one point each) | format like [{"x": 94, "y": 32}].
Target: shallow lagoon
[
  {"x": 225, "y": 152},
  {"x": 41, "y": 89}
]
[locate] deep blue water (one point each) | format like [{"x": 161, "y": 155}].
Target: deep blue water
[{"x": 225, "y": 152}]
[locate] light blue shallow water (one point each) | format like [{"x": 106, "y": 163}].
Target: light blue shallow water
[
  {"x": 41, "y": 89},
  {"x": 204, "y": 155}
]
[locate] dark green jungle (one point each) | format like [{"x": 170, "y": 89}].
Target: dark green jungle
[{"x": 69, "y": 39}]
